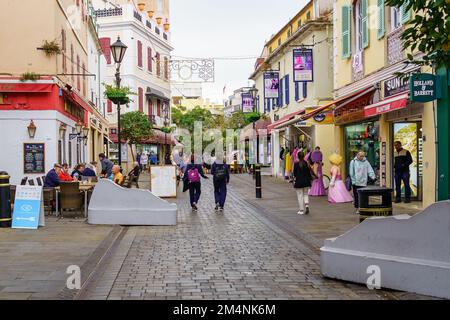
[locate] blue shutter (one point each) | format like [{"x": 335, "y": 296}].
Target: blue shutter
[
  {"x": 297, "y": 96},
  {"x": 380, "y": 13},
  {"x": 365, "y": 23},
  {"x": 286, "y": 89},
  {"x": 345, "y": 32},
  {"x": 405, "y": 13},
  {"x": 280, "y": 93},
  {"x": 305, "y": 87}
]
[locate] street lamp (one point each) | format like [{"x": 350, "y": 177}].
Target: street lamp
[
  {"x": 257, "y": 167},
  {"x": 118, "y": 50},
  {"x": 79, "y": 127},
  {"x": 31, "y": 129},
  {"x": 62, "y": 131}
]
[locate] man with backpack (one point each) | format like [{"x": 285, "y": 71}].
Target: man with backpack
[
  {"x": 192, "y": 176},
  {"x": 221, "y": 177}
]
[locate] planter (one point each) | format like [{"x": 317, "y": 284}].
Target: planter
[
  {"x": 118, "y": 99},
  {"x": 166, "y": 27},
  {"x": 141, "y": 6},
  {"x": 159, "y": 20},
  {"x": 150, "y": 13}
]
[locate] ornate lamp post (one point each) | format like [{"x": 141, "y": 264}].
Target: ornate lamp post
[
  {"x": 257, "y": 166},
  {"x": 118, "y": 50}
]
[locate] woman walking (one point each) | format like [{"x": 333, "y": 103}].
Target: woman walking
[
  {"x": 302, "y": 182},
  {"x": 192, "y": 176}
]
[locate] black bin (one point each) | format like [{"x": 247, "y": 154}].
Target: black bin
[
  {"x": 368, "y": 209},
  {"x": 5, "y": 200}
]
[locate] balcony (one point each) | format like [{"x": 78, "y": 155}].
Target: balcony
[
  {"x": 137, "y": 16},
  {"x": 148, "y": 24},
  {"x": 108, "y": 12}
]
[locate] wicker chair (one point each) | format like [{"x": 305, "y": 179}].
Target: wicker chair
[
  {"x": 49, "y": 200},
  {"x": 24, "y": 181},
  {"x": 39, "y": 181},
  {"x": 71, "y": 198}
]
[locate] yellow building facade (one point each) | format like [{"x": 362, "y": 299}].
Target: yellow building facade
[{"x": 376, "y": 110}]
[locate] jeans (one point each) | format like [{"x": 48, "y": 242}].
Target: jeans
[
  {"x": 399, "y": 177},
  {"x": 356, "y": 196},
  {"x": 194, "y": 192},
  {"x": 303, "y": 198},
  {"x": 220, "y": 192}
]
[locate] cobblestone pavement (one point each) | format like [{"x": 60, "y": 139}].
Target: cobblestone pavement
[{"x": 240, "y": 254}]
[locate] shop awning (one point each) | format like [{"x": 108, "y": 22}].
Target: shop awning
[
  {"x": 156, "y": 94},
  {"x": 282, "y": 122},
  {"x": 25, "y": 87},
  {"x": 387, "y": 105}
]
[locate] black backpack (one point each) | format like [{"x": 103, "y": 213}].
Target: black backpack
[{"x": 220, "y": 173}]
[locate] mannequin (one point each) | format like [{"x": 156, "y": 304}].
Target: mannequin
[
  {"x": 337, "y": 193},
  {"x": 317, "y": 188}
]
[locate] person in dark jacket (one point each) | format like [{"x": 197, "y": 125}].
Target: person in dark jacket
[
  {"x": 192, "y": 176},
  {"x": 402, "y": 161},
  {"x": 302, "y": 182},
  {"x": 107, "y": 165},
  {"x": 221, "y": 177},
  {"x": 88, "y": 172},
  {"x": 52, "y": 178},
  {"x": 77, "y": 173}
]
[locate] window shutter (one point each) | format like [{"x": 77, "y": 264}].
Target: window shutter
[
  {"x": 149, "y": 59},
  {"x": 265, "y": 105},
  {"x": 365, "y": 23},
  {"x": 141, "y": 99},
  {"x": 158, "y": 107},
  {"x": 109, "y": 106},
  {"x": 150, "y": 107},
  {"x": 405, "y": 14},
  {"x": 139, "y": 48},
  {"x": 280, "y": 93},
  {"x": 296, "y": 91},
  {"x": 105, "y": 43},
  {"x": 286, "y": 89},
  {"x": 345, "y": 32},
  {"x": 305, "y": 87},
  {"x": 380, "y": 12}
]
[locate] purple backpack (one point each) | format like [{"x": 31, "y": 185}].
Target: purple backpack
[{"x": 193, "y": 175}]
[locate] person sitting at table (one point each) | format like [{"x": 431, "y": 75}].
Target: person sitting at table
[
  {"x": 78, "y": 172},
  {"x": 52, "y": 178},
  {"x": 64, "y": 175},
  {"x": 89, "y": 171},
  {"x": 116, "y": 175}
]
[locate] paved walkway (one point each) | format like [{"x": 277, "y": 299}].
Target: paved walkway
[{"x": 256, "y": 249}]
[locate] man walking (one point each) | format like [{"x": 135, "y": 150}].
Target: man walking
[
  {"x": 402, "y": 161},
  {"x": 360, "y": 172},
  {"x": 193, "y": 173},
  {"x": 221, "y": 177}
]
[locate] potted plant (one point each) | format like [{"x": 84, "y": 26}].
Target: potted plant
[
  {"x": 150, "y": 13},
  {"x": 141, "y": 6},
  {"x": 118, "y": 95},
  {"x": 29, "y": 76},
  {"x": 159, "y": 20},
  {"x": 166, "y": 130},
  {"x": 167, "y": 26},
  {"x": 252, "y": 117},
  {"x": 51, "y": 47}
]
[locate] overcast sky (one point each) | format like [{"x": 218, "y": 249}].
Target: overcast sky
[{"x": 217, "y": 28}]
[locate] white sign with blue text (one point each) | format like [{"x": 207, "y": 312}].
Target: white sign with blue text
[{"x": 28, "y": 210}]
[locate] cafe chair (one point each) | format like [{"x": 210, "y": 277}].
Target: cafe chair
[
  {"x": 24, "y": 181},
  {"x": 71, "y": 198},
  {"x": 49, "y": 200},
  {"x": 31, "y": 182},
  {"x": 39, "y": 181}
]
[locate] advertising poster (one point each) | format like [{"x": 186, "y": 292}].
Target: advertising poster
[
  {"x": 247, "y": 102},
  {"x": 321, "y": 118},
  {"x": 271, "y": 85},
  {"x": 28, "y": 210},
  {"x": 303, "y": 65},
  {"x": 406, "y": 133}
]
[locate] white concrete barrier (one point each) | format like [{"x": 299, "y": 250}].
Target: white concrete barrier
[
  {"x": 412, "y": 253},
  {"x": 111, "y": 204}
]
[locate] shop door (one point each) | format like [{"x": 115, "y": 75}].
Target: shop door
[{"x": 410, "y": 135}]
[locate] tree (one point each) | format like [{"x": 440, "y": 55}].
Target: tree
[
  {"x": 428, "y": 31},
  {"x": 135, "y": 127}
]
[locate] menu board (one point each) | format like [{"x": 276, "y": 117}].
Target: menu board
[
  {"x": 164, "y": 181},
  {"x": 28, "y": 210},
  {"x": 33, "y": 158}
]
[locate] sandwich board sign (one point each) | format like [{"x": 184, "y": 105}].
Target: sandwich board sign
[{"x": 28, "y": 210}]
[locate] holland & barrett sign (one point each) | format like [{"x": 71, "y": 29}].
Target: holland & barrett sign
[{"x": 423, "y": 87}]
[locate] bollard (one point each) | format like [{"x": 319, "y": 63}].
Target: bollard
[
  {"x": 5, "y": 200},
  {"x": 258, "y": 181}
]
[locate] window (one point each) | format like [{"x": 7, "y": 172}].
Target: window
[
  {"x": 308, "y": 16},
  {"x": 141, "y": 99},
  {"x": 84, "y": 80},
  {"x": 105, "y": 43},
  {"x": 149, "y": 60},
  {"x": 70, "y": 153},
  {"x": 78, "y": 74},
  {"x": 139, "y": 53},
  {"x": 286, "y": 89},
  {"x": 150, "y": 107},
  {"x": 289, "y": 33},
  {"x": 158, "y": 64},
  {"x": 63, "y": 49},
  {"x": 72, "y": 62},
  {"x": 158, "y": 107},
  {"x": 299, "y": 23},
  {"x": 109, "y": 107},
  {"x": 380, "y": 19},
  {"x": 270, "y": 50},
  {"x": 166, "y": 68},
  {"x": 358, "y": 26},
  {"x": 395, "y": 18},
  {"x": 279, "y": 41}
]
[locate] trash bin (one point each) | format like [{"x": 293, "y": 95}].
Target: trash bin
[
  {"x": 5, "y": 200},
  {"x": 368, "y": 209}
]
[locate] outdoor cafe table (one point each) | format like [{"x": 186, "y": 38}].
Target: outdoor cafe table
[{"x": 85, "y": 187}]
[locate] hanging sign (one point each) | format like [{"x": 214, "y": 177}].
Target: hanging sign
[
  {"x": 423, "y": 87},
  {"x": 247, "y": 102},
  {"x": 28, "y": 210},
  {"x": 395, "y": 86},
  {"x": 271, "y": 85},
  {"x": 303, "y": 65}
]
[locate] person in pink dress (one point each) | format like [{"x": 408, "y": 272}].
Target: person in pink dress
[
  {"x": 337, "y": 193},
  {"x": 317, "y": 188}
]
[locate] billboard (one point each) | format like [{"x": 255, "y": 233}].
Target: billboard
[
  {"x": 303, "y": 65},
  {"x": 247, "y": 102},
  {"x": 271, "y": 85}
]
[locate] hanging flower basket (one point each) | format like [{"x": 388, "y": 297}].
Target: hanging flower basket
[
  {"x": 119, "y": 99},
  {"x": 166, "y": 130},
  {"x": 141, "y": 6},
  {"x": 252, "y": 117},
  {"x": 118, "y": 95}
]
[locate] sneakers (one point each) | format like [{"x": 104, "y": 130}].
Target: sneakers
[
  {"x": 217, "y": 207},
  {"x": 221, "y": 209},
  {"x": 307, "y": 210},
  {"x": 408, "y": 201},
  {"x": 300, "y": 213},
  {"x": 194, "y": 207}
]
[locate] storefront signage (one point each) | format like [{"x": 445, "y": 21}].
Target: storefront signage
[
  {"x": 423, "y": 87},
  {"x": 247, "y": 102},
  {"x": 271, "y": 85},
  {"x": 28, "y": 208},
  {"x": 353, "y": 111},
  {"x": 33, "y": 158},
  {"x": 303, "y": 65},
  {"x": 395, "y": 86},
  {"x": 386, "y": 106}
]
